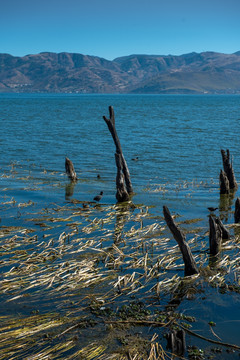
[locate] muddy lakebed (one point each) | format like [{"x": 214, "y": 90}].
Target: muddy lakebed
[{"x": 99, "y": 280}]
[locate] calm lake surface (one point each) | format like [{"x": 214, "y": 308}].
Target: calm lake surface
[
  {"x": 176, "y": 139},
  {"x": 177, "y": 142}
]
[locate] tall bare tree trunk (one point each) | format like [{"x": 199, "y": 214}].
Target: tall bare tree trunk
[{"x": 123, "y": 175}]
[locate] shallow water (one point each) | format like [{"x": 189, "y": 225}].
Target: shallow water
[{"x": 177, "y": 140}]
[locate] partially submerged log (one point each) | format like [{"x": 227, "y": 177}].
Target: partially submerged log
[
  {"x": 237, "y": 211},
  {"x": 189, "y": 262},
  {"x": 224, "y": 183},
  {"x": 228, "y": 169},
  {"x": 215, "y": 236},
  {"x": 111, "y": 126},
  {"x": 70, "y": 170}
]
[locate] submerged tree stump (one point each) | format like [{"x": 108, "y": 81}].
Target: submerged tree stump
[
  {"x": 121, "y": 194},
  {"x": 70, "y": 170},
  {"x": 237, "y": 211},
  {"x": 176, "y": 342},
  {"x": 225, "y": 232},
  {"x": 124, "y": 168},
  {"x": 224, "y": 183},
  {"x": 215, "y": 236},
  {"x": 189, "y": 262},
  {"x": 228, "y": 169}
]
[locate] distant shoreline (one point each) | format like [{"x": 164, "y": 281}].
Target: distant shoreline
[{"x": 193, "y": 73}]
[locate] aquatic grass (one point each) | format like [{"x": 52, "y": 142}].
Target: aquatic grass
[
  {"x": 68, "y": 256},
  {"x": 37, "y": 334}
]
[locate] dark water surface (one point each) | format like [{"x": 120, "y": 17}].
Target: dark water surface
[{"x": 177, "y": 140}]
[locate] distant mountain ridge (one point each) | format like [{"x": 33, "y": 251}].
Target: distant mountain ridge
[{"x": 193, "y": 73}]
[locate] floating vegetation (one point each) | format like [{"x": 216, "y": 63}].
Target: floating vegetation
[{"x": 80, "y": 281}]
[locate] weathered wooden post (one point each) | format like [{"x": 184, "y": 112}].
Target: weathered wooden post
[
  {"x": 237, "y": 211},
  {"x": 123, "y": 175},
  {"x": 228, "y": 169},
  {"x": 215, "y": 236},
  {"x": 189, "y": 262},
  {"x": 70, "y": 170}
]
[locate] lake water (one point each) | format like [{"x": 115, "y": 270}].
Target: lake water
[{"x": 177, "y": 140}]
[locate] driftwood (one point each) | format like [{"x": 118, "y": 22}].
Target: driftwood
[
  {"x": 228, "y": 169},
  {"x": 70, "y": 170},
  {"x": 124, "y": 168},
  {"x": 176, "y": 342},
  {"x": 189, "y": 262},
  {"x": 224, "y": 183},
  {"x": 237, "y": 211},
  {"x": 215, "y": 236}
]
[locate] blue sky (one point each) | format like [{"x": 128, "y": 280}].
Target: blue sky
[{"x": 113, "y": 28}]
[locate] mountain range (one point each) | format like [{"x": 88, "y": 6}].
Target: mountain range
[{"x": 193, "y": 73}]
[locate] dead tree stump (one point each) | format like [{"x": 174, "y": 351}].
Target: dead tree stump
[
  {"x": 237, "y": 211},
  {"x": 122, "y": 194},
  {"x": 124, "y": 168},
  {"x": 176, "y": 342},
  {"x": 224, "y": 183},
  {"x": 189, "y": 262},
  {"x": 228, "y": 169},
  {"x": 225, "y": 232},
  {"x": 70, "y": 170},
  {"x": 215, "y": 236}
]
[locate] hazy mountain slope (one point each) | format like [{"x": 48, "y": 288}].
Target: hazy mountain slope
[
  {"x": 65, "y": 72},
  {"x": 192, "y": 82},
  {"x": 59, "y": 73}
]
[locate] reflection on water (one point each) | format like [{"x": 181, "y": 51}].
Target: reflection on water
[
  {"x": 69, "y": 190},
  {"x": 226, "y": 203}
]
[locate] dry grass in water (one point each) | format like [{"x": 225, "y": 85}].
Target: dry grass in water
[{"x": 67, "y": 257}]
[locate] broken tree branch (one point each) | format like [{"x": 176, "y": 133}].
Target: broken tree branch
[{"x": 209, "y": 340}]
